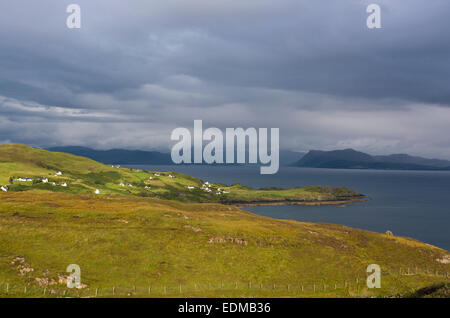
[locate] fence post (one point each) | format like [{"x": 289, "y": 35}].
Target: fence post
[
  {"x": 96, "y": 292},
  {"x": 7, "y": 287},
  {"x": 114, "y": 290},
  {"x": 165, "y": 290},
  {"x": 314, "y": 287},
  {"x": 149, "y": 290}
]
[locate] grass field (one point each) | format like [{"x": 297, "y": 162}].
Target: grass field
[{"x": 128, "y": 244}]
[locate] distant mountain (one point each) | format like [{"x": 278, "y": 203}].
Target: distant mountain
[
  {"x": 288, "y": 158},
  {"x": 118, "y": 156},
  {"x": 139, "y": 157},
  {"x": 404, "y": 158},
  {"x": 352, "y": 159}
]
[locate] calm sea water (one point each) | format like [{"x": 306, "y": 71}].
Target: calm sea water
[{"x": 409, "y": 203}]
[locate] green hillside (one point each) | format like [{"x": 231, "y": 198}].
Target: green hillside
[
  {"x": 128, "y": 244},
  {"x": 82, "y": 175}
]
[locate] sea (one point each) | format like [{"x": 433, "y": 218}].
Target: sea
[{"x": 409, "y": 203}]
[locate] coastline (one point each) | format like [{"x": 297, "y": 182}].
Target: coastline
[{"x": 345, "y": 201}]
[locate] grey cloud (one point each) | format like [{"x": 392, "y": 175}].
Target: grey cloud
[{"x": 137, "y": 69}]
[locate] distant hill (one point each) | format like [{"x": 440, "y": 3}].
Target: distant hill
[
  {"x": 118, "y": 156},
  {"x": 140, "y": 157},
  {"x": 352, "y": 159},
  {"x": 288, "y": 158}
]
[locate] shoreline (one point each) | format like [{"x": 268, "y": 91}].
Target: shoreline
[{"x": 345, "y": 201}]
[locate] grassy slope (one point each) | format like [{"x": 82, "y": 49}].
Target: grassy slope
[
  {"x": 208, "y": 249},
  {"x": 84, "y": 176}
]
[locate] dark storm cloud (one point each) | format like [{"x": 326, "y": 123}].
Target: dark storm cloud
[{"x": 137, "y": 69}]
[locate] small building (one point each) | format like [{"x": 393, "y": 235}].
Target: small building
[
  {"x": 44, "y": 180},
  {"x": 190, "y": 187},
  {"x": 24, "y": 179},
  {"x": 171, "y": 176},
  {"x": 64, "y": 185},
  {"x": 59, "y": 173},
  {"x": 4, "y": 188},
  {"x": 97, "y": 191},
  {"x": 122, "y": 184}
]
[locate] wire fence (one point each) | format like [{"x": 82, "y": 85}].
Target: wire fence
[{"x": 344, "y": 287}]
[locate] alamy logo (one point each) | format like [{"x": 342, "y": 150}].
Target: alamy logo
[
  {"x": 235, "y": 139},
  {"x": 374, "y": 19},
  {"x": 74, "y": 19},
  {"x": 74, "y": 279},
  {"x": 374, "y": 279}
]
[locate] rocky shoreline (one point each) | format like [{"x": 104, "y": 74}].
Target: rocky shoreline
[{"x": 339, "y": 201}]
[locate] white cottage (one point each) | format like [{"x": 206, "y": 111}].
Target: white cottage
[
  {"x": 4, "y": 188},
  {"x": 97, "y": 191}
]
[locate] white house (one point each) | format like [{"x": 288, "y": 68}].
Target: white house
[
  {"x": 157, "y": 174},
  {"x": 45, "y": 180},
  {"x": 97, "y": 191},
  {"x": 64, "y": 185},
  {"x": 122, "y": 184},
  {"x": 150, "y": 178},
  {"x": 190, "y": 187},
  {"x": 24, "y": 179},
  {"x": 59, "y": 173},
  {"x": 171, "y": 176},
  {"x": 4, "y": 188}
]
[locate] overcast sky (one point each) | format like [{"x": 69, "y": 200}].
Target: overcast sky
[{"x": 138, "y": 69}]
